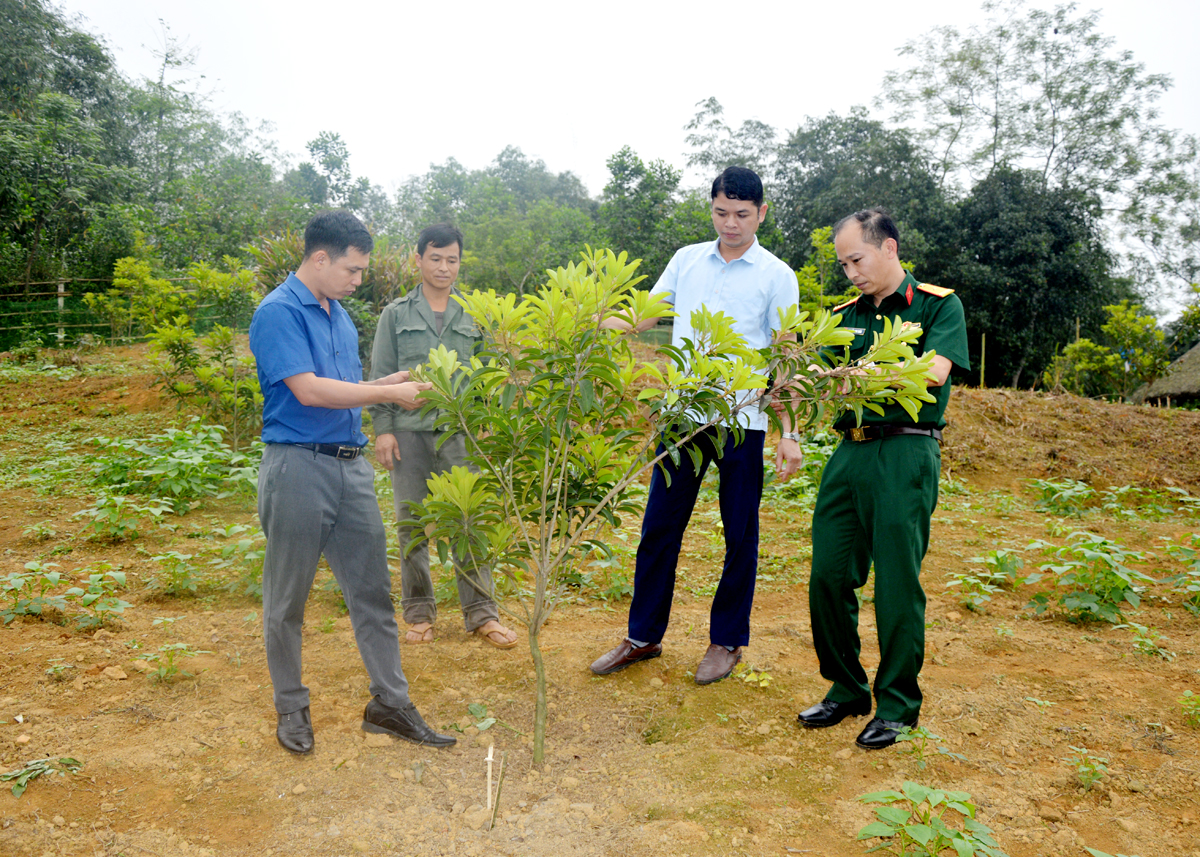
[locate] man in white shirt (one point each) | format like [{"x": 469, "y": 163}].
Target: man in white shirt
[{"x": 736, "y": 276}]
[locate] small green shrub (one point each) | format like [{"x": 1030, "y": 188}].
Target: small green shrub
[
  {"x": 167, "y": 658},
  {"x": 1065, "y": 497},
  {"x": 1189, "y": 703},
  {"x": 1093, "y": 576},
  {"x": 99, "y": 598},
  {"x": 1188, "y": 583},
  {"x": 974, "y": 592},
  {"x": 921, "y": 744},
  {"x": 115, "y": 518},
  {"x": 1089, "y": 768},
  {"x": 176, "y": 576},
  {"x": 1148, "y": 641},
  {"x": 914, "y": 822}
]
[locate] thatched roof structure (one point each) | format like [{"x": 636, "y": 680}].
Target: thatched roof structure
[{"x": 1180, "y": 384}]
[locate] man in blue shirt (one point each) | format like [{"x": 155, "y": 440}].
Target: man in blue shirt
[
  {"x": 736, "y": 276},
  {"x": 316, "y": 491}
]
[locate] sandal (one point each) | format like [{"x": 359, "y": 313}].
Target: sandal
[
  {"x": 421, "y": 632},
  {"x": 495, "y": 634}
]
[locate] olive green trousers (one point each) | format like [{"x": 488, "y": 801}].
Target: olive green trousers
[{"x": 874, "y": 505}]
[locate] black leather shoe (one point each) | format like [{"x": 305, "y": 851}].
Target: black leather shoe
[
  {"x": 882, "y": 733},
  {"x": 404, "y": 723},
  {"x": 830, "y": 713},
  {"x": 294, "y": 732},
  {"x": 624, "y": 655}
]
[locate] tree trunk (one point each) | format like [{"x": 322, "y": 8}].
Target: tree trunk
[{"x": 539, "y": 713}]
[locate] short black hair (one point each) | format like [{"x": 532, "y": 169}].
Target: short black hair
[
  {"x": 439, "y": 235},
  {"x": 876, "y": 224},
  {"x": 739, "y": 183},
  {"x": 336, "y": 232}
]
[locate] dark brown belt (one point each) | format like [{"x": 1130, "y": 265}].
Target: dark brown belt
[
  {"x": 858, "y": 435},
  {"x": 346, "y": 453}
]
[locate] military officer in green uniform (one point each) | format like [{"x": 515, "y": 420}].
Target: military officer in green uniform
[{"x": 878, "y": 492}]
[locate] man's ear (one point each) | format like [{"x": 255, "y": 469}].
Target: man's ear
[
  {"x": 891, "y": 247},
  {"x": 762, "y": 212}
]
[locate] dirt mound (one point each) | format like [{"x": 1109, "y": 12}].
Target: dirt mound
[{"x": 1001, "y": 437}]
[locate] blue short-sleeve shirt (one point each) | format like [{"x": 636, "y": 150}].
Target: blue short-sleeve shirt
[
  {"x": 750, "y": 289},
  {"x": 289, "y": 335}
]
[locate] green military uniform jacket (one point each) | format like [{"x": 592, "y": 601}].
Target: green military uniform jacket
[
  {"x": 939, "y": 314},
  {"x": 406, "y": 333}
]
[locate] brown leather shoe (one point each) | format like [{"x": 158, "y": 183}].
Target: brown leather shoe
[
  {"x": 717, "y": 664},
  {"x": 624, "y": 655}
]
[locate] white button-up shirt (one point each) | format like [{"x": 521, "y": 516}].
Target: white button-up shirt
[{"x": 751, "y": 289}]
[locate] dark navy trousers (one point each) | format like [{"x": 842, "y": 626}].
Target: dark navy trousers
[{"x": 668, "y": 511}]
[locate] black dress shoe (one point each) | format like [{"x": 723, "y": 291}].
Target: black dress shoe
[
  {"x": 404, "y": 723},
  {"x": 294, "y": 732},
  {"x": 830, "y": 713},
  {"x": 882, "y": 733},
  {"x": 624, "y": 655}
]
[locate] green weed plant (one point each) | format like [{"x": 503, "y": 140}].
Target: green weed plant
[
  {"x": 176, "y": 576},
  {"x": 168, "y": 659},
  {"x": 922, "y": 744},
  {"x": 1088, "y": 767},
  {"x": 1092, "y": 576},
  {"x": 1067, "y": 498},
  {"x": 917, "y": 821},
  {"x": 22, "y": 776},
  {"x": 1189, "y": 704}
]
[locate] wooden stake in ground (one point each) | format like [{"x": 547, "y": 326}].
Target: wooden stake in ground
[
  {"x": 490, "y": 759},
  {"x": 499, "y": 783}
]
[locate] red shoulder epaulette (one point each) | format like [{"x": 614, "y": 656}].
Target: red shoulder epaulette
[
  {"x": 846, "y": 304},
  {"x": 936, "y": 291}
]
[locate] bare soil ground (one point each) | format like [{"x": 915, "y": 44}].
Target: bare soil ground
[{"x": 643, "y": 762}]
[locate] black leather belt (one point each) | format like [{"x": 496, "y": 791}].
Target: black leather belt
[
  {"x": 346, "y": 453},
  {"x": 858, "y": 435}
]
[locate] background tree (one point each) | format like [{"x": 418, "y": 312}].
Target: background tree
[
  {"x": 1030, "y": 265},
  {"x": 836, "y": 165}
]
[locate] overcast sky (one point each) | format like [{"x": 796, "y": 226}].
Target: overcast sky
[{"x": 409, "y": 84}]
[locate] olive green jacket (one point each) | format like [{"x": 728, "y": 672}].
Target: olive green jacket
[{"x": 405, "y": 335}]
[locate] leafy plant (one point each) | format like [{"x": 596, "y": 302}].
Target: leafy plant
[
  {"x": 115, "y": 518},
  {"x": 1095, "y": 852},
  {"x": 166, "y": 657},
  {"x": 40, "y": 532},
  {"x": 1002, "y": 568},
  {"x": 552, "y": 411},
  {"x": 1147, "y": 641},
  {"x": 752, "y": 675},
  {"x": 914, "y": 822},
  {"x": 1064, "y": 497},
  {"x": 245, "y": 554},
  {"x": 1089, "y": 768},
  {"x": 1188, "y": 583},
  {"x": 21, "y": 777},
  {"x": 921, "y": 742},
  {"x": 1189, "y": 703},
  {"x": 176, "y": 575},
  {"x": 57, "y": 669},
  {"x": 99, "y": 598},
  {"x": 1043, "y": 705},
  {"x": 974, "y": 592},
  {"x": 1094, "y": 576},
  {"x": 179, "y": 466},
  {"x": 220, "y": 382}
]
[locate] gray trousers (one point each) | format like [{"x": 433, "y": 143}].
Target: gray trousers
[
  {"x": 419, "y": 459},
  {"x": 309, "y": 505}
]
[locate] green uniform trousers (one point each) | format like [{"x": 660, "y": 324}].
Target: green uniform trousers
[{"x": 874, "y": 504}]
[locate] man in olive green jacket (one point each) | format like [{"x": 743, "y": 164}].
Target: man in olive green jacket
[{"x": 406, "y": 442}]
